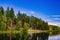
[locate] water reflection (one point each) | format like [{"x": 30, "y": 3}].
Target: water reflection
[
  {"x": 25, "y": 36},
  {"x": 40, "y": 36},
  {"x": 55, "y": 37}
]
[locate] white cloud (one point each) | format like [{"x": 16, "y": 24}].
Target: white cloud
[
  {"x": 28, "y": 12},
  {"x": 23, "y": 11},
  {"x": 32, "y": 13},
  {"x": 56, "y": 18},
  {"x": 54, "y": 23}
]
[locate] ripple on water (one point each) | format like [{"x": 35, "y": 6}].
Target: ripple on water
[{"x": 56, "y": 37}]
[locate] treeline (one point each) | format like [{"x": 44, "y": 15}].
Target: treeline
[
  {"x": 54, "y": 29},
  {"x": 8, "y": 20}
]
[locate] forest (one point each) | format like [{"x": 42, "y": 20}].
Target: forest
[{"x": 10, "y": 21}]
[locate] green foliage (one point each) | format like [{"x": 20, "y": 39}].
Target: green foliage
[
  {"x": 12, "y": 14},
  {"x": 18, "y": 25},
  {"x": 1, "y": 11},
  {"x": 2, "y": 22},
  {"x": 21, "y": 20},
  {"x": 26, "y": 26},
  {"x": 54, "y": 29},
  {"x": 19, "y": 16}
]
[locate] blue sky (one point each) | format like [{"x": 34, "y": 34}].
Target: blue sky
[{"x": 48, "y": 10}]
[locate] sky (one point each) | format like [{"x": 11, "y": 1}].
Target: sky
[{"x": 47, "y": 10}]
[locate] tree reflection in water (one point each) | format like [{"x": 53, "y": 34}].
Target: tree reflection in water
[
  {"x": 25, "y": 36},
  {"x": 39, "y": 36}
]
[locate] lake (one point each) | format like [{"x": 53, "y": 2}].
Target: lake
[{"x": 25, "y": 36}]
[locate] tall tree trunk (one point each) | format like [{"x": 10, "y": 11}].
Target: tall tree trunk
[{"x": 11, "y": 27}]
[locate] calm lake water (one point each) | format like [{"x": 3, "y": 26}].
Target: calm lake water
[{"x": 25, "y": 36}]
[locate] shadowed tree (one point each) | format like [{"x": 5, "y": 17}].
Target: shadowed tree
[{"x": 1, "y": 11}]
